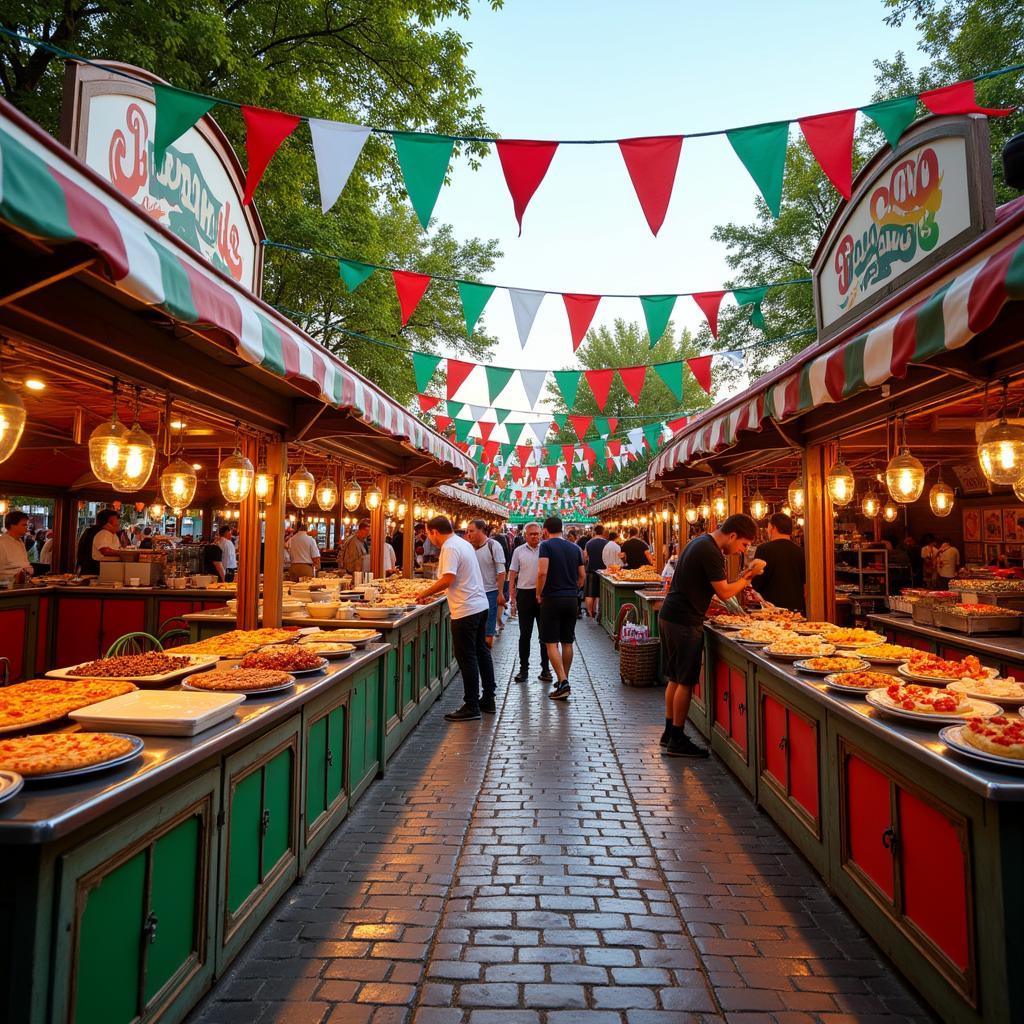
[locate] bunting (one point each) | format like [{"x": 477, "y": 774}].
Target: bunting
[
  {"x": 580, "y": 309},
  {"x": 524, "y": 163},
  {"x": 458, "y": 371},
  {"x": 632, "y": 378},
  {"x": 600, "y": 382},
  {"x": 762, "y": 150},
  {"x": 265, "y": 130},
  {"x": 336, "y": 147},
  {"x": 700, "y": 367},
  {"x": 423, "y": 159},
  {"x": 525, "y": 304},
  {"x": 830, "y": 139},
  {"x": 473, "y": 297},
  {"x": 410, "y": 288},
  {"x": 652, "y": 164},
  {"x": 176, "y": 112}
]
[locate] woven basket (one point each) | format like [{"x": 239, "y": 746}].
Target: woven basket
[{"x": 638, "y": 661}]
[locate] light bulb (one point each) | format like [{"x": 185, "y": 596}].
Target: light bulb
[
  {"x": 178, "y": 484},
  {"x": 890, "y": 512},
  {"x": 1001, "y": 453},
  {"x": 353, "y": 495},
  {"x": 692, "y": 514},
  {"x": 719, "y": 504},
  {"x": 235, "y": 475},
  {"x": 392, "y": 505},
  {"x": 12, "y": 420},
  {"x": 870, "y": 506},
  {"x": 373, "y": 497},
  {"x": 840, "y": 484},
  {"x": 795, "y": 494},
  {"x": 106, "y": 449},
  {"x": 941, "y": 498},
  {"x": 263, "y": 484},
  {"x": 300, "y": 487},
  {"x": 402, "y": 509},
  {"x": 758, "y": 506},
  {"x": 904, "y": 478},
  {"x": 326, "y": 494},
  {"x": 705, "y": 510}
]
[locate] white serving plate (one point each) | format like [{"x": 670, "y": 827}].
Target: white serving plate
[
  {"x": 160, "y": 712},
  {"x": 830, "y": 682},
  {"x": 358, "y": 644},
  {"x": 882, "y": 661},
  {"x": 881, "y": 701},
  {"x": 964, "y": 686},
  {"x": 904, "y": 671},
  {"x": 10, "y": 785},
  {"x": 778, "y": 656},
  {"x": 137, "y": 747},
  {"x": 802, "y": 666},
  {"x": 265, "y": 691},
  {"x": 950, "y": 735},
  {"x": 199, "y": 661},
  {"x": 377, "y": 613}
]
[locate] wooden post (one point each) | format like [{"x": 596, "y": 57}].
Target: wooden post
[
  {"x": 658, "y": 534},
  {"x": 819, "y": 534},
  {"x": 684, "y": 526},
  {"x": 247, "y": 575},
  {"x": 65, "y": 539},
  {"x": 733, "y": 505},
  {"x": 409, "y": 532},
  {"x": 273, "y": 544},
  {"x": 378, "y": 530}
]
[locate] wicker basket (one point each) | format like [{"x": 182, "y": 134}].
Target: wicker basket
[{"x": 638, "y": 661}]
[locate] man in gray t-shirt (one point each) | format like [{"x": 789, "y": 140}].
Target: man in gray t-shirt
[{"x": 492, "y": 568}]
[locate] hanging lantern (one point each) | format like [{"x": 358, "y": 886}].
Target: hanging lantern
[
  {"x": 4, "y": 506},
  {"x": 301, "y": 486},
  {"x": 665, "y": 514},
  {"x": 1018, "y": 488},
  {"x": 890, "y": 512},
  {"x": 178, "y": 484},
  {"x": 107, "y": 449},
  {"x": 392, "y": 506},
  {"x": 786, "y": 510},
  {"x": 1001, "y": 452},
  {"x": 352, "y": 495},
  {"x": 941, "y": 497},
  {"x": 840, "y": 484},
  {"x": 155, "y": 511},
  {"x": 236, "y": 475},
  {"x": 373, "y": 497},
  {"x": 402, "y": 509},
  {"x": 326, "y": 494},
  {"x": 870, "y": 506},
  {"x": 691, "y": 513},
  {"x": 904, "y": 477},
  {"x": 719, "y": 505},
  {"x": 675, "y": 518},
  {"x": 795, "y": 494},
  {"x": 417, "y": 512},
  {"x": 12, "y": 420},
  {"x": 136, "y": 465},
  {"x": 758, "y": 506},
  {"x": 263, "y": 485},
  {"x": 705, "y": 510}
]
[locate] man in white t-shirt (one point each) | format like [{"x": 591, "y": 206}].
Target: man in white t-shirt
[
  {"x": 14, "y": 563},
  {"x": 229, "y": 556},
  {"x": 947, "y": 562},
  {"x": 523, "y": 588},
  {"x": 107, "y": 543},
  {"x": 458, "y": 573},
  {"x": 305, "y": 555},
  {"x": 612, "y": 553}
]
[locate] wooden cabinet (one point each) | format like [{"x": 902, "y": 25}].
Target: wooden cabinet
[
  {"x": 364, "y": 734},
  {"x": 14, "y": 634},
  {"x": 327, "y": 723},
  {"x": 407, "y": 668},
  {"x": 77, "y": 631},
  {"x": 790, "y": 757},
  {"x": 731, "y": 718}
]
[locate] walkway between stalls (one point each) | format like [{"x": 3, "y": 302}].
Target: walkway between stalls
[{"x": 549, "y": 866}]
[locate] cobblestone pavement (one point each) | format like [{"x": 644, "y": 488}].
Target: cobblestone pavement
[{"x": 549, "y": 866}]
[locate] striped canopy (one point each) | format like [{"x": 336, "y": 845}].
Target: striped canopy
[
  {"x": 633, "y": 491},
  {"x": 474, "y": 500}
]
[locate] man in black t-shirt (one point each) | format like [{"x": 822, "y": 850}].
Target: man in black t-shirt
[
  {"x": 784, "y": 575},
  {"x": 635, "y": 551},
  {"x": 700, "y": 574},
  {"x": 592, "y": 556},
  {"x": 213, "y": 560},
  {"x": 560, "y": 575}
]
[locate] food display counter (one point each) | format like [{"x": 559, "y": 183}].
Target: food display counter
[
  {"x": 615, "y": 593},
  {"x": 921, "y": 843}
]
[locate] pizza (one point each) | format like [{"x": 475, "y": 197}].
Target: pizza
[
  {"x": 326, "y": 648},
  {"x": 851, "y": 637},
  {"x": 806, "y": 646},
  {"x": 812, "y": 627},
  {"x": 1001, "y": 735},
  {"x": 995, "y": 689},
  {"x": 782, "y": 615},
  {"x": 234, "y": 679},
  {"x": 284, "y": 659},
  {"x": 153, "y": 663},
  {"x": 832, "y": 664},
  {"x": 38, "y": 701},
  {"x": 727, "y": 619},
  {"x": 765, "y": 633},
  {"x": 861, "y": 680},
  {"x": 927, "y": 700},
  {"x": 888, "y": 652},
  {"x": 237, "y": 643},
  {"x": 923, "y": 664},
  {"x": 351, "y": 636},
  {"x": 60, "y": 751}
]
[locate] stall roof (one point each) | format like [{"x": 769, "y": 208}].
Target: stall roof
[
  {"x": 628, "y": 493},
  {"x": 474, "y": 500},
  {"x": 51, "y": 197}
]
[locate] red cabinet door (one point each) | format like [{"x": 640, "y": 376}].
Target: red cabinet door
[
  {"x": 773, "y": 738},
  {"x": 1014, "y": 672},
  {"x": 803, "y": 762},
  {"x": 43, "y": 636},
  {"x": 723, "y": 676},
  {"x": 121, "y": 616},
  {"x": 13, "y": 638},
  {"x": 78, "y": 630},
  {"x": 738, "y": 708},
  {"x": 868, "y": 824}
]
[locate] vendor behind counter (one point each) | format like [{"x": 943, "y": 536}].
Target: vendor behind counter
[{"x": 784, "y": 577}]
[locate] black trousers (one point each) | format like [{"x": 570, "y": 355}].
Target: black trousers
[
  {"x": 529, "y": 613},
  {"x": 469, "y": 645}
]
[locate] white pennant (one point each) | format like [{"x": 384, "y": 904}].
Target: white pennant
[
  {"x": 736, "y": 358},
  {"x": 336, "y": 146},
  {"x": 477, "y": 411},
  {"x": 533, "y": 382},
  {"x": 636, "y": 438},
  {"x": 525, "y": 304}
]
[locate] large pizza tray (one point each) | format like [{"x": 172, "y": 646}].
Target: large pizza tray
[
  {"x": 10, "y": 785},
  {"x": 804, "y": 667},
  {"x": 358, "y": 644},
  {"x": 266, "y": 691},
  {"x": 966, "y": 687},
  {"x": 198, "y": 662},
  {"x": 160, "y": 712},
  {"x": 49, "y": 719},
  {"x": 904, "y": 670},
  {"x": 138, "y": 745},
  {"x": 881, "y": 701},
  {"x": 951, "y": 736}
]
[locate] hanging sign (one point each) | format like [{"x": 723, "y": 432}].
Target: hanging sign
[
  {"x": 909, "y": 210},
  {"x": 196, "y": 192}
]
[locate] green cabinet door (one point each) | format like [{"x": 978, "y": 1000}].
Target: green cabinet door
[
  {"x": 392, "y": 682},
  {"x": 244, "y": 839},
  {"x": 435, "y": 649},
  {"x": 336, "y": 754},
  {"x": 370, "y": 684},
  {"x": 275, "y": 822},
  {"x": 316, "y": 771},
  {"x": 423, "y": 646},
  {"x": 357, "y": 734},
  {"x": 407, "y": 653}
]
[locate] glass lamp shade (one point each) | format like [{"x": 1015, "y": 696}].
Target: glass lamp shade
[
  {"x": 1001, "y": 453},
  {"x": 890, "y": 512},
  {"x": 1018, "y": 488},
  {"x": 156, "y": 511},
  {"x": 692, "y": 514},
  {"x": 401, "y": 509},
  {"x": 786, "y": 510},
  {"x": 301, "y": 486},
  {"x": 840, "y": 484},
  {"x": 675, "y": 518},
  {"x": 352, "y": 495},
  {"x": 12, "y": 420},
  {"x": 417, "y": 512},
  {"x": 643, "y": 520},
  {"x": 664, "y": 515},
  {"x": 178, "y": 484},
  {"x": 758, "y": 506},
  {"x": 392, "y": 506},
  {"x": 263, "y": 484},
  {"x": 136, "y": 465},
  {"x": 107, "y": 450},
  {"x": 5, "y": 506},
  {"x": 870, "y": 506},
  {"x": 326, "y": 494},
  {"x": 940, "y": 499},
  {"x": 795, "y": 494},
  {"x": 373, "y": 497},
  {"x": 705, "y": 511},
  {"x": 904, "y": 478},
  {"x": 719, "y": 505},
  {"x": 236, "y": 475}
]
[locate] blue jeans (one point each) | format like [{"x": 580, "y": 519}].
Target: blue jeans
[{"x": 492, "y": 612}]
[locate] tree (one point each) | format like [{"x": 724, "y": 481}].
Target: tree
[{"x": 384, "y": 63}]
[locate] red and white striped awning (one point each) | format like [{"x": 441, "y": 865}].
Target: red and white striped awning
[
  {"x": 629, "y": 493},
  {"x": 474, "y": 500},
  {"x": 47, "y": 193}
]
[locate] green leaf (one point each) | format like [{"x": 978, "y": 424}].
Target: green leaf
[
  {"x": 423, "y": 366},
  {"x": 568, "y": 382},
  {"x": 354, "y": 273},
  {"x": 497, "y": 378},
  {"x": 762, "y": 148},
  {"x": 893, "y": 116},
  {"x": 657, "y": 311},
  {"x": 424, "y": 160},
  {"x": 474, "y": 297},
  {"x": 672, "y": 375},
  {"x": 176, "y": 112}
]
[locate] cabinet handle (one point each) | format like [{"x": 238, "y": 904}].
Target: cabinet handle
[
  {"x": 149, "y": 928},
  {"x": 330, "y": 758},
  {"x": 265, "y": 821},
  {"x": 725, "y": 695},
  {"x": 741, "y": 708},
  {"x": 889, "y": 838},
  {"x": 783, "y": 743}
]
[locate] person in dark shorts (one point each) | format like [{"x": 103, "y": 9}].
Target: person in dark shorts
[
  {"x": 700, "y": 574},
  {"x": 592, "y": 559},
  {"x": 636, "y": 551},
  {"x": 784, "y": 575},
  {"x": 560, "y": 575}
]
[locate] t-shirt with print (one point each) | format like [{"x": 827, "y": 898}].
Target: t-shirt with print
[
  {"x": 701, "y": 564},
  {"x": 564, "y": 559},
  {"x": 466, "y": 594}
]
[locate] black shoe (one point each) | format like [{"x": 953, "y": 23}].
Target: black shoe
[
  {"x": 546, "y": 676},
  {"x": 665, "y": 737},
  {"x": 487, "y": 706},
  {"x": 682, "y": 746},
  {"x": 522, "y": 675},
  {"x": 464, "y": 714},
  {"x": 561, "y": 691}
]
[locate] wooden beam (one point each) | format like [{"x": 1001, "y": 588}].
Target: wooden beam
[
  {"x": 378, "y": 530},
  {"x": 273, "y": 542},
  {"x": 26, "y": 276},
  {"x": 409, "y": 531},
  {"x": 247, "y": 542},
  {"x": 819, "y": 534}
]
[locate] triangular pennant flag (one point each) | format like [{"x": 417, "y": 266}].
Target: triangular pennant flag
[
  {"x": 523, "y": 453},
  {"x": 568, "y": 452},
  {"x": 652, "y": 434},
  {"x": 672, "y": 375},
  {"x": 568, "y": 382},
  {"x": 737, "y": 358},
  {"x": 525, "y": 304},
  {"x": 597, "y": 450},
  {"x": 652, "y": 164},
  {"x": 709, "y": 303},
  {"x": 456, "y": 409},
  {"x": 424, "y": 160},
  {"x": 700, "y": 367},
  {"x": 580, "y": 310},
  {"x": 428, "y": 402},
  {"x": 526, "y": 435},
  {"x": 959, "y": 98},
  {"x": 458, "y": 371},
  {"x": 474, "y": 297},
  {"x": 410, "y": 287},
  {"x": 601, "y": 425},
  {"x": 762, "y": 149},
  {"x": 423, "y": 367},
  {"x": 486, "y": 428},
  {"x": 561, "y": 419},
  {"x": 462, "y": 429},
  {"x": 353, "y": 273},
  {"x": 581, "y": 424},
  {"x": 490, "y": 452},
  {"x": 553, "y": 475},
  {"x": 893, "y": 116},
  {"x": 533, "y": 382},
  {"x": 746, "y": 296},
  {"x": 657, "y": 311},
  {"x": 336, "y": 147},
  {"x": 677, "y": 424},
  {"x": 600, "y": 382},
  {"x": 612, "y": 424},
  {"x": 636, "y": 437},
  {"x": 265, "y": 130},
  {"x": 524, "y": 163},
  {"x": 497, "y": 378},
  {"x": 476, "y": 411},
  {"x": 632, "y": 378},
  {"x": 615, "y": 446},
  {"x": 176, "y": 112},
  {"x": 443, "y": 423},
  {"x": 830, "y": 138}
]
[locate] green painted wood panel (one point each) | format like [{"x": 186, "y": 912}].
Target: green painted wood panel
[
  {"x": 316, "y": 771},
  {"x": 371, "y": 684},
  {"x": 357, "y": 734},
  {"x": 244, "y": 840},
  {"x": 277, "y": 800},
  {"x": 109, "y": 946},
  {"x": 174, "y": 892},
  {"x": 336, "y": 758},
  {"x": 392, "y": 682},
  {"x": 408, "y": 650}
]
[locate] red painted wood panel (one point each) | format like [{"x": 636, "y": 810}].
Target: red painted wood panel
[
  {"x": 207, "y": 606},
  {"x": 121, "y": 616},
  {"x": 722, "y": 677},
  {"x": 803, "y": 764},
  {"x": 933, "y": 874},
  {"x": 868, "y": 814},
  {"x": 773, "y": 729},
  {"x": 1014, "y": 672},
  {"x": 172, "y": 608},
  {"x": 911, "y": 640},
  {"x": 42, "y": 636},
  {"x": 738, "y": 708},
  {"x": 78, "y": 630},
  {"x": 13, "y": 639}
]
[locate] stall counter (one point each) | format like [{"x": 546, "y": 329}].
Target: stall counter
[{"x": 615, "y": 593}]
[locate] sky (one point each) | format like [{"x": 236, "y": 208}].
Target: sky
[{"x": 561, "y": 69}]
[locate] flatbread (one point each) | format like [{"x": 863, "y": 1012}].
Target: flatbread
[
  {"x": 60, "y": 752},
  {"x": 1001, "y": 735},
  {"x": 928, "y": 700},
  {"x": 38, "y": 701},
  {"x": 283, "y": 659},
  {"x": 232, "y": 679}
]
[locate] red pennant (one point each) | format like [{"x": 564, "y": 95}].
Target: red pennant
[
  {"x": 491, "y": 453},
  {"x": 524, "y": 163},
  {"x": 615, "y": 447},
  {"x": 443, "y": 423},
  {"x": 633, "y": 380},
  {"x": 265, "y": 130},
  {"x": 582, "y": 423},
  {"x": 552, "y": 475},
  {"x": 612, "y": 424},
  {"x": 410, "y": 288},
  {"x": 580, "y": 310},
  {"x": 463, "y": 445},
  {"x": 709, "y": 303},
  {"x": 517, "y": 474},
  {"x": 458, "y": 371},
  {"x": 830, "y": 137},
  {"x": 427, "y": 402},
  {"x": 568, "y": 451},
  {"x": 610, "y": 465},
  {"x": 485, "y": 429},
  {"x": 523, "y": 453},
  {"x": 589, "y": 454},
  {"x": 677, "y": 424},
  {"x": 959, "y": 98},
  {"x": 700, "y": 367},
  {"x": 652, "y": 164},
  {"x": 532, "y": 473},
  {"x": 600, "y": 382}
]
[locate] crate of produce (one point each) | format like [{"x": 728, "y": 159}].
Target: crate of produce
[
  {"x": 978, "y": 619},
  {"x": 924, "y": 608},
  {"x": 901, "y": 605}
]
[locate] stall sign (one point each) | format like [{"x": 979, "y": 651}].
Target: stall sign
[{"x": 910, "y": 208}]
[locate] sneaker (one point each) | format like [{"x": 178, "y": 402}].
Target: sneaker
[
  {"x": 464, "y": 714},
  {"x": 546, "y": 676},
  {"x": 683, "y": 746},
  {"x": 665, "y": 737},
  {"x": 561, "y": 691},
  {"x": 522, "y": 675},
  {"x": 487, "y": 706}
]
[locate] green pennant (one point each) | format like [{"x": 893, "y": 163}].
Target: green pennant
[
  {"x": 602, "y": 426},
  {"x": 423, "y": 366},
  {"x": 568, "y": 382},
  {"x": 561, "y": 419},
  {"x": 176, "y": 112},
  {"x": 672, "y": 375},
  {"x": 506, "y": 453},
  {"x": 502, "y": 414},
  {"x": 456, "y": 409},
  {"x": 599, "y": 447},
  {"x": 474, "y": 297},
  {"x": 354, "y": 273},
  {"x": 893, "y": 116},
  {"x": 762, "y": 148},
  {"x": 497, "y": 378},
  {"x": 462, "y": 429},
  {"x": 657, "y": 311},
  {"x": 524, "y": 433},
  {"x": 652, "y": 434},
  {"x": 424, "y": 160},
  {"x": 746, "y": 296}
]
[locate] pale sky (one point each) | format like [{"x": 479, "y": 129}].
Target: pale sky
[{"x": 558, "y": 69}]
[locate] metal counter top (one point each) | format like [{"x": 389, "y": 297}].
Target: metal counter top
[
  {"x": 653, "y": 597},
  {"x": 106, "y": 590},
  {"x": 305, "y": 620},
  {"x": 627, "y": 584},
  {"x": 43, "y": 811},
  {"x": 1009, "y": 647},
  {"x": 920, "y": 742}
]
